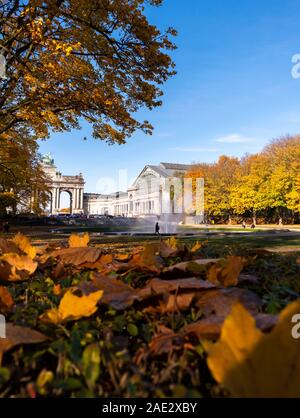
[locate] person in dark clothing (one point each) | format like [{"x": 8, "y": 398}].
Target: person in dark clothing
[
  {"x": 157, "y": 228},
  {"x": 6, "y": 227}
]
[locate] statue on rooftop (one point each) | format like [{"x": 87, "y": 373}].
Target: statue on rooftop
[{"x": 48, "y": 159}]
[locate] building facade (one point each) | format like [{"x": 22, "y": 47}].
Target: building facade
[
  {"x": 73, "y": 185},
  {"x": 159, "y": 190}
]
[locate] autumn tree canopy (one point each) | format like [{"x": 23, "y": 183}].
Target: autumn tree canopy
[
  {"x": 265, "y": 185},
  {"x": 100, "y": 60}
]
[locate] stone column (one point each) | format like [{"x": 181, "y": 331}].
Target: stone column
[{"x": 80, "y": 199}]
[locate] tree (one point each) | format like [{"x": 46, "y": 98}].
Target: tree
[
  {"x": 100, "y": 60},
  {"x": 23, "y": 184}
]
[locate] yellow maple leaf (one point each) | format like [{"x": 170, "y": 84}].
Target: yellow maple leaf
[
  {"x": 251, "y": 364},
  {"x": 14, "y": 267},
  {"x": 73, "y": 307},
  {"x": 24, "y": 244},
  {"x": 226, "y": 272},
  {"x": 77, "y": 240}
]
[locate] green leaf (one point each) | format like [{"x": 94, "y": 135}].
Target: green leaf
[
  {"x": 91, "y": 364},
  {"x": 132, "y": 329}
]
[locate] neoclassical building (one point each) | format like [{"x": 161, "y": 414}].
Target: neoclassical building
[
  {"x": 73, "y": 185},
  {"x": 158, "y": 190}
]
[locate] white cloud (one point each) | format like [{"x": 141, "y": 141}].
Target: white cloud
[
  {"x": 194, "y": 149},
  {"x": 235, "y": 139}
]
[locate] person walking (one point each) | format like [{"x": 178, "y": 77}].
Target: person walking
[{"x": 157, "y": 228}]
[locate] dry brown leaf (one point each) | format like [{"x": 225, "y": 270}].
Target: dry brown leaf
[
  {"x": 23, "y": 243},
  {"x": 16, "y": 335},
  {"x": 165, "y": 341},
  {"x": 77, "y": 256},
  {"x": 79, "y": 240},
  {"x": 251, "y": 364},
  {"x": 115, "y": 293},
  {"x": 210, "y": 328},
  {"x": 148, "y": 259},
  {"x": 220, "y": 301},
  {"x": 172, "y": 303},
  {"x": 195, "y": 267},
  {"x": 8, "y": 247},
  {"x": 226, "y": 272},
  {"x": 15, "y": 267},
  {"x": 6, "y": 300},
  {"x": 159, "y": 286}
]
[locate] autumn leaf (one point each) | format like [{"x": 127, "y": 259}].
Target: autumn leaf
[
  {"x": 8, "y": 247},
  {"x": 148, "y": 259},
  {"x": 164, "y": 341},
  {"x": 23, "y": 243},
  {"x": 73, "y": 307},
  {"x": 221, "y": 301},
  {"x": 16, "y": 335},
  {"x": 117, "y": 294},
  {"x": 195, "y": 267},
  {"x": 14, "y": 267},
  {"x": 226, "y": 272},
  {"x": 6, "y": 300},
  {"x": 79, "y": 240},
  {"x": 196, "y": 247},
  {"x": 77, "y": 256},
  {"x": 249, "y": 363}
]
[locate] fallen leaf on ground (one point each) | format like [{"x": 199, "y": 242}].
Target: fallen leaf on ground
[
  {"x": 23, "y": 243},
  {"x": 16, "y": 335},
  {"x": 148, "y": 259},
  {"x": 15, "y": 267},
  {"x": 191, "y": 267},
  {"x": 220, "y": 301},
  {"x": 210, "y": 328},
  {"x": 159, "y": 286},
  {"x": 8, "y": 247},
  {"x": 164, "y": 341},
  {"x": 77, "y": 256},
  {"x": 6, "y": 300},
  {"x": 117, "y": 294},
  {"x": 79, "y": 240},
  {"x": 172, "y": 303},
  {"x": 226, "y": 272},
  {"x": 249, "y": 363},
  {"x": 73, "y": 307}
]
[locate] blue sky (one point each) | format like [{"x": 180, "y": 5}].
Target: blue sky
[{"x": 233, "y": 93}]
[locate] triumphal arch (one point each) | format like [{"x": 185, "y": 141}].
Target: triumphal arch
[{"x": 58, "y": 183}]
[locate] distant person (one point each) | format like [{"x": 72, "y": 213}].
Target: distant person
[
  {"x": 280, "y": 223},
  {"x": 253, "y": 226},
  {"x": 244, "y": 224},
  {"x": 6, "y": 227},
  {"x": 157, "y": 228}
]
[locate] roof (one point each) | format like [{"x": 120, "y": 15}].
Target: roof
[{"x": 175, "y": 166}]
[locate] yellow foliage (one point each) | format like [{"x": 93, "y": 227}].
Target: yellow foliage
[
  {"x": 226, "y": 272},
  {"x": 77, "y": 240},
  {"x": 249, "y": 363},
  {"x": 14, "y": 267},
  {"x": 24, "y": 244},
  {"x": 73, "y": 307}
]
